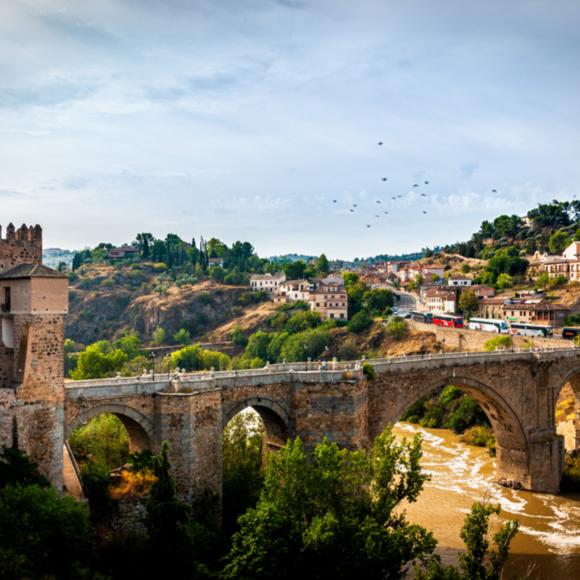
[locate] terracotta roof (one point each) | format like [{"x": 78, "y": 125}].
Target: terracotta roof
[{"x": 31, "y": 271}]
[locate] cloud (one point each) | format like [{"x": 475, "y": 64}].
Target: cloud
[{"x": 246, "y": 119}]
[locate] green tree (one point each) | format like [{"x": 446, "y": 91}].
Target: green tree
[
  {"x": 479, "y": 562},
  {"x": 182, "y": 336},
  {"x": 378, "y": 300},
  {"x": 217, "y": 274},
  {"x": 99, "y": 360},
  {"x": 159, "y": 336},
  {"x": 468, "y": 302},
  {"x": 504, "y": 281},
  {"x": 102, "y": 440},
  {"x": 42, "y": 535},
  {"x": 16, "y": 468},
  {"x": 170, "y": 542},
  {"x": 543, "y": 280},
  {"x": 396, "y": 328},
  {"x": 294, "y": 270},
  {"x": 302, "y": 345},
  {"x": 558, "y": 242},
  {"x": 360, "y": 321},
  {"x": 334, "y": 516},
  {"x": 242, "y": 452},
  {"x": 257, "y": 346},
  {"x": 322, "y": 264}
]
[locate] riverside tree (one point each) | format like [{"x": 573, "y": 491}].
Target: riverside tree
[{"x": 334, "y": 516}]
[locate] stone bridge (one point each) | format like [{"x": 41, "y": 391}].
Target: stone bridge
[{"x": 517, "y": 390}]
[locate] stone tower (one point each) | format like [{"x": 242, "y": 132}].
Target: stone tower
[{"x": 33, "y": 302}]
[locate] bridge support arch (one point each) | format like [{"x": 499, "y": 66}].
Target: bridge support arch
[
  {"x": 525, "y": 458},
  {"x": 274, "y": 416},
  {"x": 139, "y": 427}
]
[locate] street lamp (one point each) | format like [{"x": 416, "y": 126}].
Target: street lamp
[{"x": 152, "y": 356}]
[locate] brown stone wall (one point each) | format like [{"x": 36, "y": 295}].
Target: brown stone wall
[
  {"x": 333, "y": 410},
  {"x": 463, "y": 339},
  {"x": 20, "y": 247}
]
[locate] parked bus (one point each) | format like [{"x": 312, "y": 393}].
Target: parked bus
[
  {"x": 488, "y": 325},
  {"x": 425, "y": 317},
  {"x": 448, "y": 320},
  {"x": 570, "y": 333},
  {"x": 523, "y": 329}
]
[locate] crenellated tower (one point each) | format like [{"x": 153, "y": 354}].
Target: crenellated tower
[{"x": 33, "y": 303}]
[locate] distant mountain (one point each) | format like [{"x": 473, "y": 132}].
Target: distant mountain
[{"x": 52, "y": 257}]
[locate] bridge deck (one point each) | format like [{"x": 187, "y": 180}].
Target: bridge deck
[{"x": 306, "y": 372}]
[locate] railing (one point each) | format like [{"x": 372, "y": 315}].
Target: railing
[{"x": 307, "y": 370}]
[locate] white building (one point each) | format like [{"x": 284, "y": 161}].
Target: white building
[
  {"x": 293, "y": 291},
  {"x": 266, "y": 282},
  {"x": 459, "y": 282}
]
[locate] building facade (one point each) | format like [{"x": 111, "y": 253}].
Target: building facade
[{"x": 266, "y": 282}]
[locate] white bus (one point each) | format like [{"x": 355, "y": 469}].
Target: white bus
[
  {"x": 523, "y": 329},
  {"x": 488, "y": 325}
]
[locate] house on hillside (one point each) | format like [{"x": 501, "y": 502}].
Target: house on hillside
[
  {"x": 566, "y": 265},
  {"x": 215, "y": 262},
  {"x": 293, "y": 291},
  {"x": 459, "y": 282},
  {"x": 329, "y": 299},
  {"x": 266, "y": 282},
  {"x": 123, "y": 252},
  {"x": 441, "y": 300}
]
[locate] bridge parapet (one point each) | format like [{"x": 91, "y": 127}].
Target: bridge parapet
[{"x": 307, "y": 372}]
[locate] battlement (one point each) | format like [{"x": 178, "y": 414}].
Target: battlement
[{"x": 20, "y": 246}]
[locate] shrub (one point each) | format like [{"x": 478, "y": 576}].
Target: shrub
[
  {"x": 497, "y": 343},
  {"x": 360, "y": 322},
  {"x": 396, "y": 328},
  {"x": 479, "y": 436},
  {"x": 182, "y": 336},
  {"x": 369, "y": 371}
]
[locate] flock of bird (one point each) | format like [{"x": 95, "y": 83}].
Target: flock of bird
[{"x": 354, "y": 207}]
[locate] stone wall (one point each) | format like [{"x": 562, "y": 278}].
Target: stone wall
[
  {"x": 463, "y": 339},
  {"x": 22, "y": 246}
]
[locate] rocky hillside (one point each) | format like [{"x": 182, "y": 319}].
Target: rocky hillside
[{"x": 105, "y": 301}]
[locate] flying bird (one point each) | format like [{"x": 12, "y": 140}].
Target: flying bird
[
  {"x": 386, "y": 212},
  {"x": 415, "y": 185},
  {"x": 354, "y": 205},
  {"x": 377, "y": 216},
  {"x": 394, "y": 197},
  {"x": 426, "y": 182},
  {"x": 352, "y": 210},
  {"x": 494, "y": 191},
  {"x": 424, "y": 211},
  {"x": 334, "y": 201},
  {"x": 379, "y": 201},
  {"x": 399, "y": 196},
  {"x": 379, "y": 143},
  {"x": 368, "y": 225},
  {"x": 384, "y": 178},
  {"x": 423, "y": 195}
]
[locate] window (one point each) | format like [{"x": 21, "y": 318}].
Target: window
[{"x": 7, "y": 300}]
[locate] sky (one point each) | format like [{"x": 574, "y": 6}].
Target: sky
[{"x": 245, "y": 120}]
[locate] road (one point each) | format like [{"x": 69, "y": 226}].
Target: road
[{"x": 407, "y": 301}]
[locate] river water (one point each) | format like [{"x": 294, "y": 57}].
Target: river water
[{"x": 548, "y": 543}]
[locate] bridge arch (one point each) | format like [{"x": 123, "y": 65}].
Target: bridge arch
[
  {"x": 275, "y": 417},
  {"x": 513, "y": 448},
  {"x": 566, "y": 387},
  {"x": 139, "y": 427}
]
